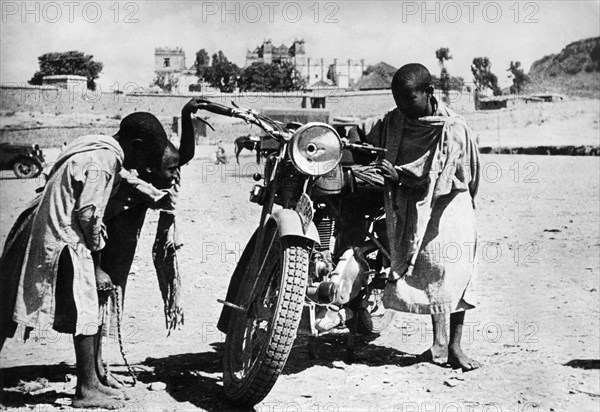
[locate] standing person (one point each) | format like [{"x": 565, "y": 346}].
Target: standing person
[
  {"x": 431, "y": 173},
  {"x": 125, "y": 217},
  {"x": 220, "y": 153},
  {"x": 49, "y": 266}
]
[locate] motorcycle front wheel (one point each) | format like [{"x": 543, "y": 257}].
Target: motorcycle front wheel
[{"x": 260, "y": 337}]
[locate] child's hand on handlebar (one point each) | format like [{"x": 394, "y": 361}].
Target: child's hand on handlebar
[{"x": 195, "y": 104}]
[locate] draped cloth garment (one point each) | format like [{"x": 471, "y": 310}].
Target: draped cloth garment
[
  {"x": 430, "y": 214},
  {"x": 62, "y": 225}
]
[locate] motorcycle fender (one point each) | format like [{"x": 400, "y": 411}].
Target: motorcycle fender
[
  {"x": 235, "y": 282},
  {"x": 289, "y": 224}
]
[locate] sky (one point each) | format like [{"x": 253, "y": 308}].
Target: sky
[{"x": 122, "y": 35}]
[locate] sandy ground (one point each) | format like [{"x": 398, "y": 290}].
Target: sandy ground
[{"x": 536, "y": 328}]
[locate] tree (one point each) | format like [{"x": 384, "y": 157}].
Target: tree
[
  {"x": 72, "y": 63},
  {"x": 166, "y": 81},
  {"x": 274, "y": 77},
  {"x": 455, "y": 82},
  {"x": 222, "y": 73},
  {"x": 201, "y": 63},
  {"x": 443, "y": 54},
  {"x": 519, "y": 78},
  {"x": 483, "y": 76}
]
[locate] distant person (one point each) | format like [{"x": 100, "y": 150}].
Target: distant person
[
  {"x": 220, "y": 154},
  {"x": 431, "y": 172},
  {"x": 49, "y": 268}
]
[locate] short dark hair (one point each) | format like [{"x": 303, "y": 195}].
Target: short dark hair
[
  {"x": 413, "y": 74},
  {"x": 147, "y": 128}
]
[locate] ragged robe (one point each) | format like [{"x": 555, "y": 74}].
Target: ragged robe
[
  {"x": 65, "y": 217},
  {"x": 430, "y": 213}
]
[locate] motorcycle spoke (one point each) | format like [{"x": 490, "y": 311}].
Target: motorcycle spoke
[{"x": 375, "y": 306}]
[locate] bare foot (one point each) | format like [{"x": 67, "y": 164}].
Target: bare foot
[
  {"x": 110, "y": 381},
  {"x": 113, "y": 393},
  {"x": 95, "y": 398},
  {"x": 458, "y": 360},
  {"x": 437, "y": 354}
]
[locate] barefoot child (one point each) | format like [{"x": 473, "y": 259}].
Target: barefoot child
[
  {"x": 49, "y": 267},
  {"x": 124, "y": 218},
  {"x": 431, "y": 176}
]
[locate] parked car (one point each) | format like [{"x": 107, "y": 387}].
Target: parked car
[{"x": 27, "y": 161}]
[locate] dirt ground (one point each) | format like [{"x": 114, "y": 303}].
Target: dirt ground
[{"x": 536, "y": 328}]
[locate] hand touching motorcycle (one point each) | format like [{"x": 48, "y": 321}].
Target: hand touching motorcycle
[
  {"x": 195, "y": 104},
  {"x": 388, "y": 171}
]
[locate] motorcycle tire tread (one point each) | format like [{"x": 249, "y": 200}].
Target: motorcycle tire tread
[{"x": 289, "y": 312}]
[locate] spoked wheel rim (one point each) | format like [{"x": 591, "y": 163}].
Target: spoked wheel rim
[
  {"x": 374, "y": 317},
  {"x": 375, "y": 304},
  {"x": 255, "y": 327}
]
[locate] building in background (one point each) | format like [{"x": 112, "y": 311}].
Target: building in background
[
  {"x": 346, "y": 74},
  {"x": 171, "y": 62},
  {"x": 376, "y": 77},
  {"x": 66, "y": 81},
  {"x": 316, "y": 71}
]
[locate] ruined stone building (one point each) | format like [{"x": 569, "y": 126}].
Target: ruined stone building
[
  {"x": 171, "y": 61},
  {"x": 341, "y": 73},
  {"x": 317, "y": 72}
]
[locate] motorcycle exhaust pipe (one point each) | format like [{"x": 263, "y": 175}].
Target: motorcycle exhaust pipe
[{"x": 323, "y": 292}]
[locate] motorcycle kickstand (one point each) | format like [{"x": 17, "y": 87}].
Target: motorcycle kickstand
[
  {"x": 351, "y": 340},
  {"x": 311, "y": 347}
]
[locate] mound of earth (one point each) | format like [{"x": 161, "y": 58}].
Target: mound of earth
[{"x": 575, "y": 70}]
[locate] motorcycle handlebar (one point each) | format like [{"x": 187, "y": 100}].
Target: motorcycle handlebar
[
  {"x": 251, "y": 117},
  {"x": 365, "y": 148},
  {"x": 219, "y": 109}
]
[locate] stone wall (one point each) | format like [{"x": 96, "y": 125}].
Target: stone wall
[{"x": 53, "y": 100}]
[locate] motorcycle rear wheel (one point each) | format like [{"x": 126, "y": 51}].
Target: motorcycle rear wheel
[
  {"x": 260, "y": 338},
  {"x": 375, "y": 317}
]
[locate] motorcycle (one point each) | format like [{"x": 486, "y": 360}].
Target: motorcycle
[{"x": 297, "y": 266}]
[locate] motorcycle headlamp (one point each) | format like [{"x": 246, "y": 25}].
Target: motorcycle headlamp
[{"x": 315, "y": 149}]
